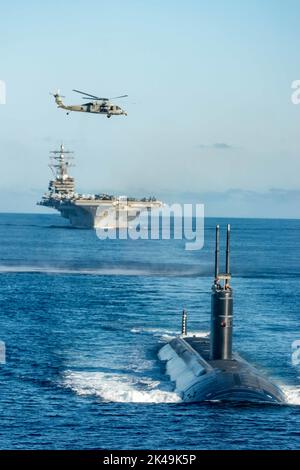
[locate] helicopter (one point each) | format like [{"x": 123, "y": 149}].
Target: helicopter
[{"x": 95, "y": 105}]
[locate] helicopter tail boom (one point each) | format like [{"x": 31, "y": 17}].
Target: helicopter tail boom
[{"x": 58, "y": 99}]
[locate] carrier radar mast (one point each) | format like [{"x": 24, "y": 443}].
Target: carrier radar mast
[
  {"x": 60, "y": 161},
  {"x": 63, "y": 185}
]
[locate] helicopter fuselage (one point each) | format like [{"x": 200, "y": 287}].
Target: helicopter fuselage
[{"x": 95, "y": 107}]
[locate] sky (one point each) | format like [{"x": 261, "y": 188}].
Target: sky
[{"x": 210, "y": 117}]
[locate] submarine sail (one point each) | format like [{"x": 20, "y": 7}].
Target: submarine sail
[{"x": 206, "y": 369}]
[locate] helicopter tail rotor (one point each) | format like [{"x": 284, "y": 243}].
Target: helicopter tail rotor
[
  {"x": 56, "y": 94},
  {"x": 58, "y": 98}
]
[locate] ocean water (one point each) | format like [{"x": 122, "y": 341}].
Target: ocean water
[{"x": 82, "y": 321}]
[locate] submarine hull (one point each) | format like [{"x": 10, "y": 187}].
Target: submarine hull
[{"x": 200, "y": 379}]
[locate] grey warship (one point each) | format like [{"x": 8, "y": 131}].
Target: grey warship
[
  {"x": 205, "y": 368},
  {"x": 89, "y": 210}
]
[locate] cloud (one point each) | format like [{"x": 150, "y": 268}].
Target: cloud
[
  {"x": 217, "y": 145},
  {"x": 222, "y": 145}
]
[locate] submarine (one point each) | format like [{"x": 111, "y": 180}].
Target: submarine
[{"x": 206, "y": 368}]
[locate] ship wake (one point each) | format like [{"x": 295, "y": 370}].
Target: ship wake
[
  {"x": 99, "y": 271},
  {"x": 292, "y": 394},
  {"x": 118, "y": 388}
]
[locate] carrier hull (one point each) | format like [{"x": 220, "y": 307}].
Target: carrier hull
[{"x": 99, "y": 213}]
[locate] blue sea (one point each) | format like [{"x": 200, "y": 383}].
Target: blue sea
[{"x": 83, "y": 319}]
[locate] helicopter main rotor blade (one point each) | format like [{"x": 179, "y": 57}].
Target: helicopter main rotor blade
[
  {"x": 122, "y": 96},
  {"x": 87, "y": 94},
  {"x": 98, "y": 97},
  {"x": 94, "y": 99}
]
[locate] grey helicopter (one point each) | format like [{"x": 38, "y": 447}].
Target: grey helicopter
[{"x": 96, "y": 105}]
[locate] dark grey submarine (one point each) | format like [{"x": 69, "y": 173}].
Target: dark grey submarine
[{"x": 205, "y": 368}]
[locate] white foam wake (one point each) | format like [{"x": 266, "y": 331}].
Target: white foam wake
[
  {"x": 89, "y": 271},
  {"x": 292, "y": 394},
  {"x": 100, "y": 271},
  {"x": 198, "y": 334},
  {"x": 168, "y": 333},
  {"x": 154, "y": 331},
  {"x": 118, "y": 388}
]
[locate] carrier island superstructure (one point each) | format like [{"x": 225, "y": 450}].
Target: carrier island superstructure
[{"x": 91, "y": 210}]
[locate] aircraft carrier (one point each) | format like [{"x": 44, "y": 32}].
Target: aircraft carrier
[{"x": 89, "y": 210}]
